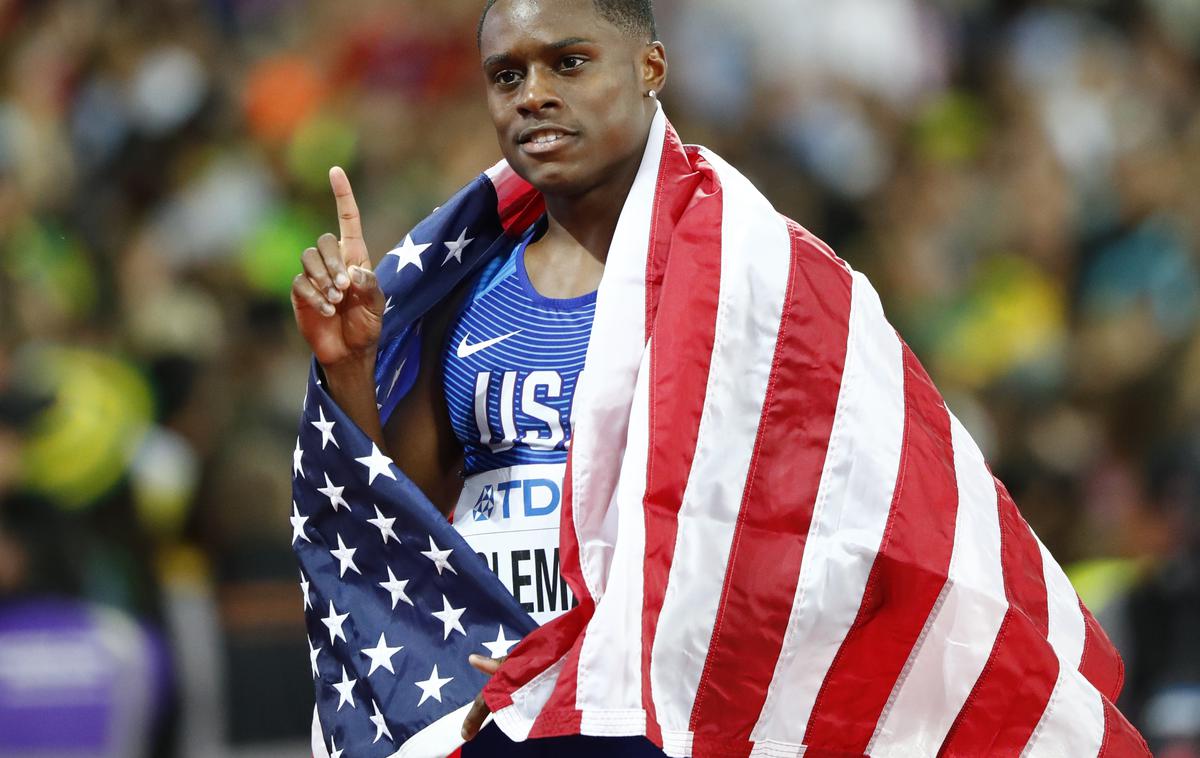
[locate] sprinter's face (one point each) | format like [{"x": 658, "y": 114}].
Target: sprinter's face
[{"x": 567, "y": 92}]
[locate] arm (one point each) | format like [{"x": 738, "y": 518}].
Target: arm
[
  {"x": 339, "y": 310},
  {"x": 419, "y": 436}
]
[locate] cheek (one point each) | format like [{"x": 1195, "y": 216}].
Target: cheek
[
  {"x": 619, "y": 121},
  {"x": 497, "y": 111}
]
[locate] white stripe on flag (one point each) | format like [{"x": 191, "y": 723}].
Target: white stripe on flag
[
  {"x": 1067, "y": 629},
  {"x": 958, "y": 639},
  {"x": 439, "y": 739},
  {"x": 747, "y": 324},
  {"x": 603, "y": 395},
  {"x": 772, "y": 749},
  {"x": 613, "y": 642},
  {"x": 849, "y": 517},
  {"x": 318, "y": 737},
  {"x": 1073, "y": 723},
  {"x": 516, "y": 720}
]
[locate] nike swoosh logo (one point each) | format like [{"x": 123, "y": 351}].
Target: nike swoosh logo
[{"x": 466, "y": 350}]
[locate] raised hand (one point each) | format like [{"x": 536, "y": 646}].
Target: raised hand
[{"x": 337, "y": 300}]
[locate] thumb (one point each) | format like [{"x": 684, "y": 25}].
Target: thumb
[
  {"x": 365, "y": 289},
  {"x": 486, "y": 665}
]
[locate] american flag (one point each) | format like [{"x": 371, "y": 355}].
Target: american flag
[
  {"x": 394, "y": 598},
  {"x": 782, "y": 540}
]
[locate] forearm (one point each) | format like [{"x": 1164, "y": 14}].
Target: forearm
[{"x": 351, "y": 383}]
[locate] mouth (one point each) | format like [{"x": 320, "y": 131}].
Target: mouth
[{"x": 548, "y": 138}]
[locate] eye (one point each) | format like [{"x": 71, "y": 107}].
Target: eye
[
  {"x": 507, "y": 78},
  {"x": 572, "y": 62}
]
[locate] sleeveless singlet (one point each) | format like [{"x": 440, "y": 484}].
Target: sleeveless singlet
[{"x": 510, "y": 367}]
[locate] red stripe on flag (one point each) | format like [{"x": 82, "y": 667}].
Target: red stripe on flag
[
  {"x": 684, "y": 181},
  {"x": 518, "y": 204},
  {"x": 549, "y": 642},
  {"x": 1022, "y": 560},
  {"x": 1121, "y": 740},
  {"x": 906, "y": 578},
  {"x": 1008, "y": 699},
  {"x": 1101, "y": 664},
  {"x": 777, "y": 504},
  {"x": 560, "y": 716},
  {"x": 684, "y": 325}
]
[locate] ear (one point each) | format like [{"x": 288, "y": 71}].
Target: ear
[{"x": 654, "y": 67}]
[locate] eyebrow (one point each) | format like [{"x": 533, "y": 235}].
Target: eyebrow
[{"x": 500, "y": 58}]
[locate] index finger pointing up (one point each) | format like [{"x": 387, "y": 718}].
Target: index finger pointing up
[{"x": 349, "y": 223}]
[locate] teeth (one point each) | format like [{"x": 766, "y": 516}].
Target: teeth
[{"x": 546, "y": 138}]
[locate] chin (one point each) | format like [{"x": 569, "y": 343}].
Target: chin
[{"x": 551, "y": 178}]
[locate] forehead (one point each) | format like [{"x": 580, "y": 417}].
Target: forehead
[{"x": 511, "y": 24}]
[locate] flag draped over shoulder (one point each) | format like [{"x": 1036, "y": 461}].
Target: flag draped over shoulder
[
  {"x": 782, "y": 541},
  {"x": 395, "y": 600}
]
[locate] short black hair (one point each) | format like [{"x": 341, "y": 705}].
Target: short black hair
[{"x": 633, "y": 16}]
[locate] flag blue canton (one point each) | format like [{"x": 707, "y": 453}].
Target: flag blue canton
[{"x": 394, "y": 598}]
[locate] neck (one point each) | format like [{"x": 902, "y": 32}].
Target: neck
[{"x": 590, "y": 218}]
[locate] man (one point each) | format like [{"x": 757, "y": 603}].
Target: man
[
  {"x": 573, "y": 121},
  {"x": 765, "y": 506},
  {"x": 573, "y": 117}
]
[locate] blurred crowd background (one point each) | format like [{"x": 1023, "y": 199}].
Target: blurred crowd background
[{"x": 1021, "y": 180}]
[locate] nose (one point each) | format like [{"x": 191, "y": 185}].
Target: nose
[{"x": 538, "y": 93}]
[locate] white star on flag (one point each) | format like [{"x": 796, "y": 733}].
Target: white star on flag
[
  {"x": 500, "y": 647},
  {"x": 334, "y": 494},
  {"x": 409, "y": 254},
  {"x": 334, "y": 621},
  {"x": 387, "y": 306},
  {"x": 380, "y": 726},
  {"x": 326, "y": 429},
  {"x": 377, "y": 464},
  {"x": 384, "y": 525},
  {"x": 440, "y": 558},
  {"x": 297, "y": 454},
  {"x": 449, "y": 616},
  {"x": 345, "y": 556},
  {"x": 313, "y": 652},
  {"x": 456, "y": 248},
  {"x": 396, "y": 588},
  {"x": 381, "y": 655},
  {"x": 304, "y": 585},
  {"x": 298, "y": 524},
  {"x": 432, "y": 687},
  {"x": 345, "y": 688},
  {"x": 334, "y": 752}
]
